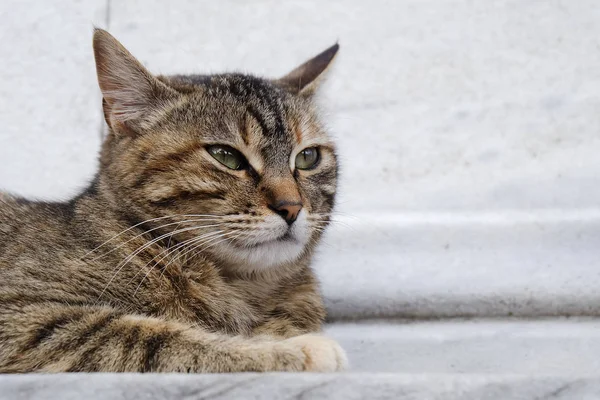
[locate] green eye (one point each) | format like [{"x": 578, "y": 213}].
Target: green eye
[
  {"x": 307, "y": 158},
  {"x": 229, "y": 157}
]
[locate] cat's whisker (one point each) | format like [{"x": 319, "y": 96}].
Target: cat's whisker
[
  {"x": 181, "y": 246},
  {"x": 171, "y": 237},
  {"x": 332, "y": 222},
  {"x": 151, "y": 230},
  {"x": 230, "y": 239},
  {"x": 320, "y": 225},
  {"x": 187, "y": 251},
  {"x": 191, "y": 243},
  {"x": 194, "y": 246},
  {"x": 184, "y": 244},
  {"x": 145, "y": 222},
  {"x": 334, "y": 217},
  {"x": 161, "y": 237},
  {"x": 320, "y": 228},
  {"x": 334, "y": 213},
  {"x": 214, "y": 244},
  {"x": 170, "y": 250},
  {"x": 340, "y": 213},
  {"x": 163, "y": 269},
  {"x": 319, "y": 221},
  {"x": 324, "y": 220},
  {"x": 120, "y": 266}
]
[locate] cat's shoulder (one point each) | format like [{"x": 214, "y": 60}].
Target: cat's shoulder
[
  {"x": 10, "y": 204},
  {"x": 16, "y": 209}
]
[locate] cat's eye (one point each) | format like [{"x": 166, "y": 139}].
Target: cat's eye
[
  {"x": 307, "y": 158},
  {"x": 229, "y": 157}
]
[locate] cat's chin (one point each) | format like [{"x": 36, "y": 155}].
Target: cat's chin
[
  {"x": 267, "y": 252},
  {"x": 265, "y": 255}
]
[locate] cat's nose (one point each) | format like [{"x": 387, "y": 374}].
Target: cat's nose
[{"x": 287, "y": 209}]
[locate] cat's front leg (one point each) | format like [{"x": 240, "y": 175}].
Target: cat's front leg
[
  {"x": 56, "y": 338},
  {"x": 280, "y": 329},
  {"x": 321, "y": 354},
  {"x": 294, "y": 309}
]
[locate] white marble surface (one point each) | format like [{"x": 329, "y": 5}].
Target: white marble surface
[
  {"x": 429, "y": 265},
  {"x": 540, "y": 347},
  {"x": 300, "y": 386},
  {"x": 50, "y": 116}
]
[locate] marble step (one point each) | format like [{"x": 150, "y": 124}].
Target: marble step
[
  {"x": 563, "y": 346},
  {"x": 500, "y": 263},
  {"x": 445, "y": 360},
  {"x": 345, "y": 386}
]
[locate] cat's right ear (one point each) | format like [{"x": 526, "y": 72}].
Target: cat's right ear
[
  {"x": 130, "y": 93},
  {"x": 305, "y": 79}
]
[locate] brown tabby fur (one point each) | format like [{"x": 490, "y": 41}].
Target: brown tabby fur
[{"x": 112, "y": 281}]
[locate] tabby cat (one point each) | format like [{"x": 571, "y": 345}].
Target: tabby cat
[{"x": 190, "y": 251}]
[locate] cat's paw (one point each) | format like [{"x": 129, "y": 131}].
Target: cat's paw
[{"x": 321, "y": 354}]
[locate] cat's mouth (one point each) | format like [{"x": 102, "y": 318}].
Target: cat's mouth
[
  {"x": 287, "y": 237},
  {"x": 272, "y": 244}
]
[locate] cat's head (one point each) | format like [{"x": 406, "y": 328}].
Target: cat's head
[{"x": 236, "y": 166}]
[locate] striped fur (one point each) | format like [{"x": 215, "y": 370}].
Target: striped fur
[{"x": 170, "y": 261}]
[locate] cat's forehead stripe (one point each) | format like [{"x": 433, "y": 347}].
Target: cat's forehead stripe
[
  {"x": 298, "y": 132},
  {"x": 246, "y": 129},
  {"x": 265, "y": 104},
  {"x": 258, "y": 118}
]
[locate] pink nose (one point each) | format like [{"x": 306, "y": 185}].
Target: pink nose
[{"x": 288, "y": 210}]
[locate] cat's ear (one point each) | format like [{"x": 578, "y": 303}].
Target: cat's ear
[
  {"x": 130, "y": 93},
  {"x": 305, "y": 79}
]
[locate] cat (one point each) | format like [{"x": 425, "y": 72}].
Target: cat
[{"x": 190, "y": 250}]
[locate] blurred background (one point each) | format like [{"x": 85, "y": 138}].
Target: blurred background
[{"x": 469, "y": 133}]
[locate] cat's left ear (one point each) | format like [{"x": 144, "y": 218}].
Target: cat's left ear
[
  {"x": 130, "y": 93},
  {"x": 305, "y": 79}
]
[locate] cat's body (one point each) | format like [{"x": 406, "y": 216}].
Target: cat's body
[{"x": 182, "y": 255}]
